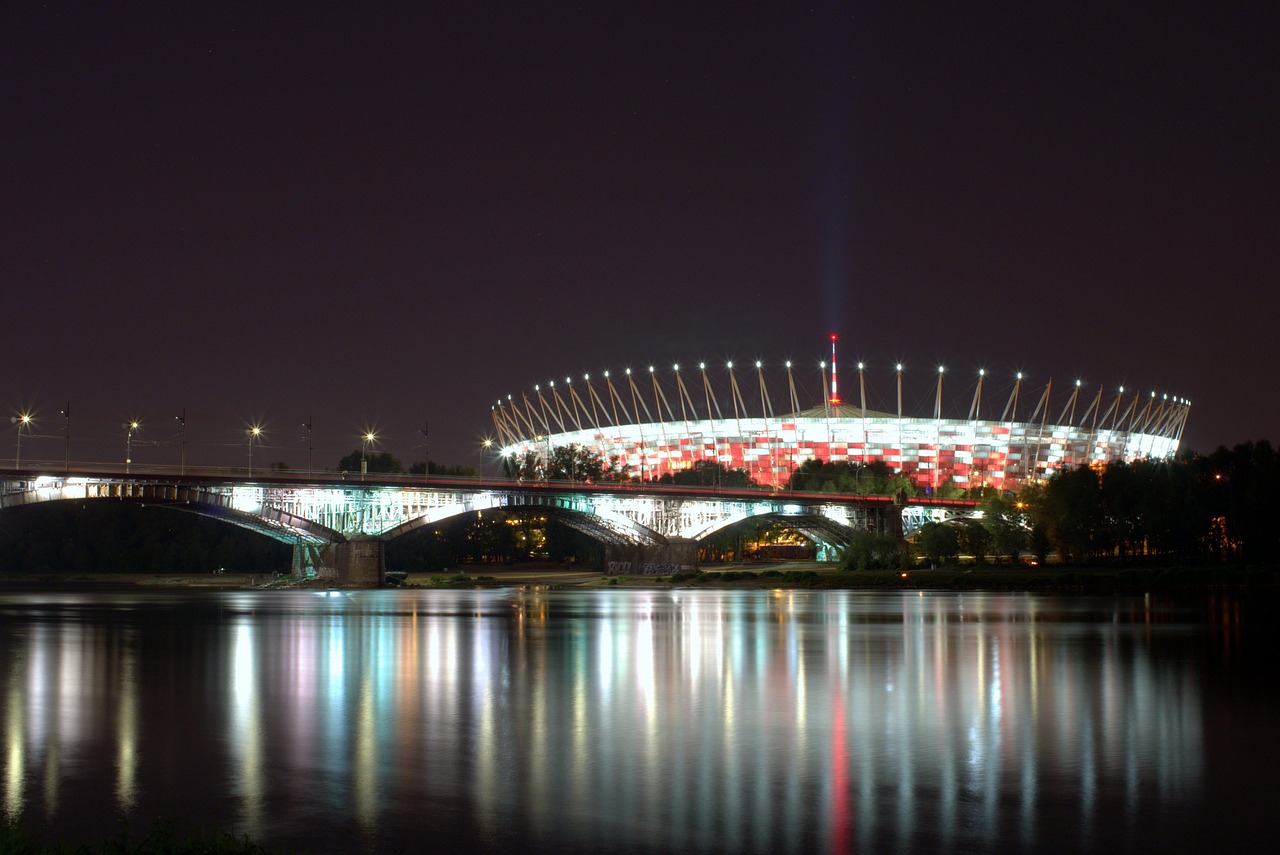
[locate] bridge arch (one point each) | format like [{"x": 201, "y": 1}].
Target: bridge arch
[
  {"x": 227, "y": 506},
  {"x": 576, "y": 512},
  {"x": 832, "y": 525}
]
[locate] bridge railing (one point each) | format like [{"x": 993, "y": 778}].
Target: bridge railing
[{"x": 332, "y": 478}]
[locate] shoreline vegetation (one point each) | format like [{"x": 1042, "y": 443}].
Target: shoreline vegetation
[{"x": 805, "y": 575}]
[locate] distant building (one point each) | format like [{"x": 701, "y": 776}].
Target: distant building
[{"x": 653, "y": 425}]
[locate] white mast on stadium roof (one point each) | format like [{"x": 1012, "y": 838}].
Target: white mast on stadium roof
[
  {"x": 975, "y": 407},
  {"x": 766, "y": 405},
  {"x": 901, "y": 453},
  {"x": 706, "y": 391},
  {"x": 937, "y": 430},
  {"x": 862, "y": 396},
  {"x": 1010, "y": 415},
  {"x": 862, "y": 391},
  {"x": 835, "y": 394},
  {"x": 826, "y": 404},
  {"x": 795, "y": 408}
]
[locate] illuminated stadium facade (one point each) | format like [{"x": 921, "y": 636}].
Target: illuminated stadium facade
[{"x": 654, "y": 423}]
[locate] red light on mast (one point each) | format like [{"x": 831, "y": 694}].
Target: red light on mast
[{"x": 834, "y": 400}]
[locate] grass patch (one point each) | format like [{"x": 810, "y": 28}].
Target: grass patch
[{"x": 462, "y": 580}]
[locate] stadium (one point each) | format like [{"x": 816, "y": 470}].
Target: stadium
[{"x": 654, "y": 423}]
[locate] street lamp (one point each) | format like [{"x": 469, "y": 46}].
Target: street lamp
[
  {"x": 129, "y": 428},
  {"x": 182, "y": 426},
  {"x": 426, "y": 450},
  {"x": 23, "y": 420},
  {"x": 307, "y": 425},
  {"x": 66, "y": 414},
  {"x": 254, "y": 432},
  {"x": 368, "y": 438},
  {"x": 484, "y": 450}
]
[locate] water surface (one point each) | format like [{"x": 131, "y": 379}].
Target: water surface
[{"x": 643, "y": 721}]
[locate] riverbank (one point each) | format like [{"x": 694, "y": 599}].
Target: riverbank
[
  {"x": 822, "y": 576},
  {"x": 789, "y": 574}
]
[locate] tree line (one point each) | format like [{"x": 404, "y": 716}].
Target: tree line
[
  {"x": 1195, "y": 509},
  {"x": 386, "y": 463},
  {"x": 580, "y": 464},
  {"x": 1219, "y": 507}
]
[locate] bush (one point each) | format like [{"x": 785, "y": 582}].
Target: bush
[
  {"x": 457, "y": 579},
  {"x": 870, "y": 550}
]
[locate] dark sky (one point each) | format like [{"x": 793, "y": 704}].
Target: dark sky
[{"x": 386, "y": 215}]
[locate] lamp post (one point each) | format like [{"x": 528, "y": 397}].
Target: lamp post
[
  {"x": 182, "y": 441},
  {"x": 129, "y": 428},
  {"x": 21, "y": 421},
  {"x": 369, "y": 437},
  {"x": 426, "y": 450},
  {"x": 253, "y": 432},
  {"x": 484, "y": 450},
  {"x": 307, "y": 425},
  {"x": 66, "y": 414}
]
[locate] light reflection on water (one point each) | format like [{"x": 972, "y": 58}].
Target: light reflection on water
[{"x": 647, "y": 720}]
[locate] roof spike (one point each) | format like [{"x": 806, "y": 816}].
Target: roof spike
[{"x": 834, "y": 400}]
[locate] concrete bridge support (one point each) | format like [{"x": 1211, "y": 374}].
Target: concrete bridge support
[
  {"x": 679, "y": 555},
  {"x": 356, "y": 563}
]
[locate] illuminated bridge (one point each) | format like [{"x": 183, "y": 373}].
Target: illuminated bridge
[{"x": 338, "y": 525}]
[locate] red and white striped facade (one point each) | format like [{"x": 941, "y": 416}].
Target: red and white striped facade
[{"x": 693, "y": 423}]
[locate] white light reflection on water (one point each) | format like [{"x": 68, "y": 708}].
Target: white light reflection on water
[
  {"x": 15, "y": 744},
  {"x": 127, "y": 724},
  {"x": 690, "y": 720},
  {"x": 246, "y": 739}
]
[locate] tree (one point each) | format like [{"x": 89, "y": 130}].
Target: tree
[
  {"x": 948, "y": 489},
  {"x": 1245, "y": 483},
  {"x": 444, "y": 471},
  {"x": 870, "y": 550},
  {"x": 1039, "y": 542},
  {"x": 709, "y": 473},
  {"x": 975, "y": 539},
  {"x": 872, "y": 479},
  {"x": 1123, "y": 508},
  {"x": 571, "y": 462},
  {"x": 1071, "y": 511},
  {"x": 574, "y": 462},
  {"x": 382, "y": 462},
  {"x": 528, "y": 466},
  {"x": 939, "y": 542},
  {"x": 1006, "y": 524}
]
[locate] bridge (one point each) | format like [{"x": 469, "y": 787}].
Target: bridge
[{"x": 338, "y": 523}]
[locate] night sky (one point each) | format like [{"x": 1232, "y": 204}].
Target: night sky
[{"x": 390, "y": 215}]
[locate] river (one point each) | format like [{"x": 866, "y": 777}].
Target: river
[{"x": 644, "y": 721}]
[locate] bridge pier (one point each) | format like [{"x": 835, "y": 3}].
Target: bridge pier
[
  {"x": 678, "y": 555},
  {"x": 355, "y": 563}
]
